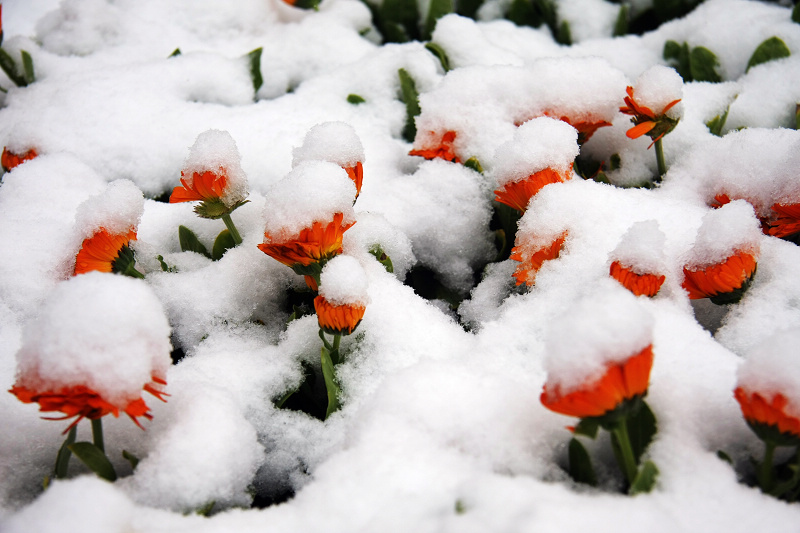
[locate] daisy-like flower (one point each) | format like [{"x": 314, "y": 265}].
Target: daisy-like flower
[
  {"x": 787, "y": 223},
  {"x": 337, "y": 319},
  {"x": 336, "y": 142},
  {"x": 517, "y": 194},
  {"x": 343, "y": 296},
  {"x": 106, "y": 252},
  {"x": 442, "y": 150},
  {"x": 767, "y": 415},
  {"x": 639, "y": 284},
  {"x": 532, "y": 260},
  {"x": 646, "y": 121},
  {"x": 10, "y": 160},
  {"x": 723, "y": 282},
  {"x": 585, "y": 128},
  {"x": 620, "y": 384}
]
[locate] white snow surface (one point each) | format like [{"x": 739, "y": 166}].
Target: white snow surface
[
  {"x": 441, "y": 427},
  {"x": 344, "y": 282},
  {"x": 336, "y": 142}
]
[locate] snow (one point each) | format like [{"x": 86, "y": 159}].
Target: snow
[
  {"x": 344, "y": 282},
  {"x": 441, "y": 427},
  {"x": 215, "y": 151}
]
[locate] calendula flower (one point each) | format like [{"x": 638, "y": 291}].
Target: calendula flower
[
  {"x": 532, "y": 260},
  {"x": 316, "y": 244},
  {"x": 442, "y": 150},
  {"x": 10, "y": 160},
  {"x": 638, "y": 284},
  {"x": 517, "y": 194},
  {"x": 336, "y": 142},
  {"x": 787, "y": 223},
  {"x": 213, "y": 175},
  {"x": 343, "y": 296},
  {"x": 337, "y": 319},
  {"x": 586, "y": 128},
  {"x": 104, "y": 252},
  {"x": 768, "y": 414},
  {"x": 727, "y": 278},
  {"x": 620, "y": 383},
  {"x": 646, "y": 121}
]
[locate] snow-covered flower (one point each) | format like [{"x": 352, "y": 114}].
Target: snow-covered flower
[
  {"x": 317, "y": 243},
  {"x": 639, "y": 284},
  {"x": 105, "y": 252},
  {"x": 517, "y": 194},
  {"x": 10, "y": 160},
  {"x": 731, "y": 277},
  {"x": 442, "y": 149},
  {"x": 343, "y": 298},
  {"x": 654, "y": 112},
  {"x": 768, "y": 413},
  {"x": 638, "y": 260},
  {"x": 338, "y": 143},
  {"x": 787, "y": 223},
  {"x": 337, "y": 319},
  {"x": 622, "y": 382},
  {"x": 213, "y": 175},
  {"x": 585, "y": 128},
  {"x": 531, "y": 260}
]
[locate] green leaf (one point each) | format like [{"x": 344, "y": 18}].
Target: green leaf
[
  {"x": 621, "y": 25},
  {"x": 460, "y": 508},
  {"x": 580, "y": 464},
  {"x": 382, "y": 258},
  {"x": 329, "y": 373},
  {"x": 474, "y": 164},
  {"x": 614, "y": 162},
  {"x": 796, "y": 13},
  {"x": 587, "y": 427},
  {"x": 468, "y": 8},
  {"x": 254, "y": 58},
  {"x": 440, "y": 54},
  {"x": 716, "y": 124},
  {"x": 190, "y": 243},
  {"x": 641, "y": 429},
  {"x": 771, "y": 49},
  {"x": 399, "y": 20},
  {"x": 411, "y": 99},
  {"x": 702, "y": 65},
  {"x": 436, "y": 10},
  {"x": 672, "y": 50},
  {"x": 522, "y": 13},
  {"x": 355, "y": 99},
  {"x": 206, "y": 509},
  {"x": 725, "y": 457},
  {"x": 564, "y": 35},
  {"x": 645, "y": 479},
  {"x": 64, "y": 453},
  {"x": 132, "y": 459},
  {"x": 175, "y": 53},
  {"x": 222, "y": 244},
  {"x": 93, "y": 458},
  {"x": 9, "y": 66},
  {"x": 27, "y": 67}
]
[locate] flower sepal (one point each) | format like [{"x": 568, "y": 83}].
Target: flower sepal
[
  {"x": 772, "y": 434},
  {"x": 216, "y": 208},
  {"x": 735, "y": 295},
  {"x": 125, "y": 263},
  {"x": 312, "y": 270}
]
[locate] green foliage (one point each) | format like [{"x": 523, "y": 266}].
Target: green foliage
[
  {"x": 716, "y": 124},
  {"x": 94, "y": 458},
  {"x": 695, "y": 64},
  {"x": 132, "y": 459},
  {"x": 411, "y": 98},
  {"x": 329, "y": 374},
  {"x": 9, "y": 66},
  {"x": 621, "y": 25},
  {"x": 355, "y": 99},
  {"x": 254, "y": 59},
  {"x": 27, "y": 67},
  {"x": 796, "y": 13},
  {"x": 534, "y": 13},
  {"x": 436, "y": 10},
  {"x": 440, "y": 54},
  {"x": 641, "y": 429},
  {"x": 190, "y": 243},
  {"x": 175, "y": 53},
  {"x": 382, "y": 258},
  {"x": 473, "y": 164},
  {"x": 645, "y": 479},
  {"x": 64, "y": 453},
  {"x": 222, "y": 244},
  {"x": 580, "y": 464},
  {"x": 771, "y": 49}
]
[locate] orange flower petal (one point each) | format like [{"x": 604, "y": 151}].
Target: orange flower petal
[
  {"x": 10, "y": 160},
  {"x": 757, "y": 409},
  {"x": 310, "y": 245},
  {"x": 638, "y": 284},
  {"x": 640, "y": 129},
  {"x": 444, "y": 150},
  {"x": 338, "y": 319},
  {"x": 99, "y": 251},
  {"x": 517, "y": 194},
  {"x": 356, "y": 174},
  {"x": 526, "y": 271},
  {"x": 723, "y": 278},
  {"x": 207, "y": 185}
]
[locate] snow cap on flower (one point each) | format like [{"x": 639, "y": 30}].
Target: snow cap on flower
[
  {"x": 117, "y": 209},
  {"x": 641, "y": 248},
  {"x": 731, "y": 228},
  {"x": 538, "y": 144},
  {"x": 344, "y": 282},
  {"x": 106, "y": 333},
  {"x": 607, "y": 327},
  {"x": 336, "y": 142},
  {"x": 215, "y": 152},
  {"x": 657, "y": 87},
  {"x": 312, "y": 192}
]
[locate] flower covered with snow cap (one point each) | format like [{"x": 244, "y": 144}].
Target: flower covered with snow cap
[
  {"x": 541, "y": 153},
  {"x": 336, "y": 142},
  {"x": 654, "y": 109},
  {"x": 786, "y": 222},
  {"x": 107, "y": 224},
  {"x": 436, "y": 146},
  {"x": 98, "y": 343},
  {"x": 343, "y": 297},
  {"x": 306, "y": 216},
  {"x": 10, "y": 160},
  {"x": 638, "y": 260},
  {"x": 722, "y": 262},
  {"x": 213, "y": 175}
]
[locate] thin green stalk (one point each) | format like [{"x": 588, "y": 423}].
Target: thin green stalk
[
  {"x": 97, "y": 434},
  {"x": 765, "y": 480},
  {"x": 662, "y": 165},
  {"x": 232, "y": 228},
  {"x": 336, "y": 340},
  {"x": 627, "y": 461},
  {"x": 132, "y": 272}
]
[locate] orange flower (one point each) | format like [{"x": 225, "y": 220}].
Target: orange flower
[
  {"x": 517, "y": 194},
  {"x": 788, "y": 221},
  {"x": 638, "y": 284},
  {"x": 620, "y": 383},
  {"x": 527, "y": 270},
  {"x": 206, "y": 186},
  {"x": 725, "y": 281},
  {"x": 443, "y": 151},
  {"x": 101, "y": 250},
  {"x": 337, "y": 319},
  {"x": 761, "y": 413},
  {"x": 585, "y": 129},
  {"x": 645, "y": 120},
  {"x": 312, "y": 245},
  {"x": 356, "y": 174},
  {"x": 10, "y": 160},
  {"x": 82, "y": 402}
]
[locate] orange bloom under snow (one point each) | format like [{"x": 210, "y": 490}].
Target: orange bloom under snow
[
  {"x": 722, "y": 278},
  {"x": 787, "y": 222},
  {"x": 444, "y": 150},
  {"x": 82, "y": 402},
  {"x": 530, "y": 265},
  {"x": 621, "y": 382},
  {"x": 517, "y": 194},
  {"x": 99, "y": 251},
  {"x": 645, "y": 120},
  {"x": 10, "y": 160},
  {"x": 337, "y": 319},
  {"x": 204, "y": 186},
  {"x": 638, "y": 284},
  {"x": 320, "y": 241},
  {"x": 356, "y": 174},
  {"x": 585, "y": 128},
  {"x": 757, "y": 409}
]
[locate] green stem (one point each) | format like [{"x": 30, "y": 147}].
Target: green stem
[
  {"x": 765, "y": 480},
  {"x": 662, "y": 165},
  {"x": 97, "y": 434},
  {"x": 627, "y": 462},
  {"x": 132, "y": 272},
  {"x": 336, "y": 340},
  {"x": 232, "y": 228}
]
